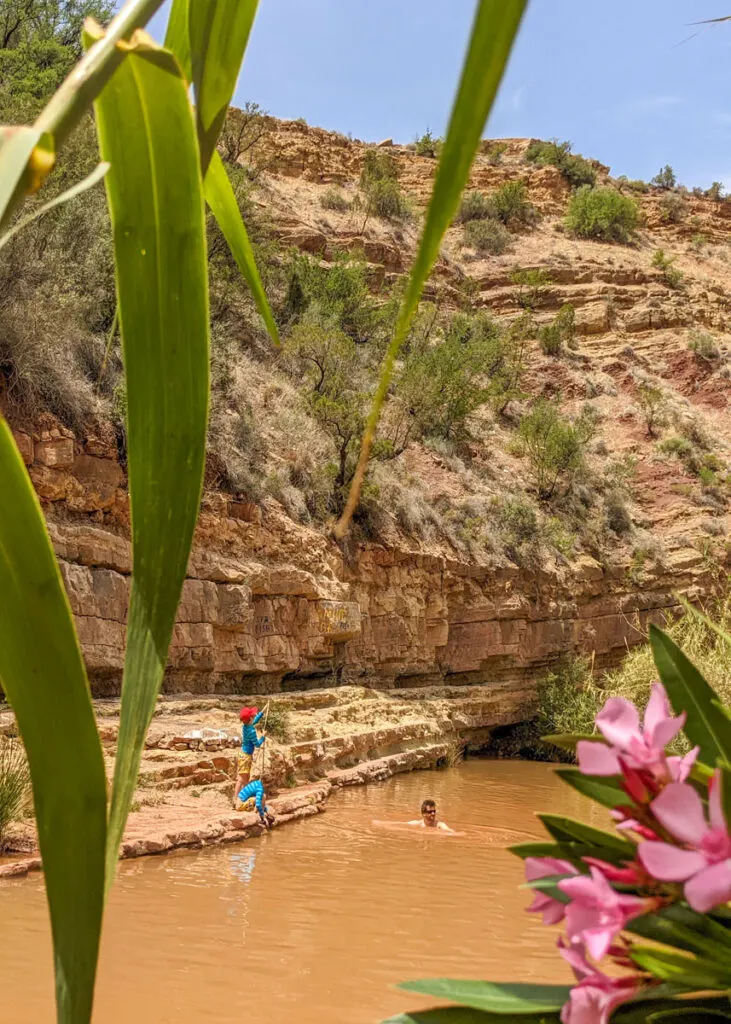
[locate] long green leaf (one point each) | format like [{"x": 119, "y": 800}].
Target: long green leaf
[
  {"x": 688, "y": 1015},
  {"x": 691, "y": 972},
  {"x": 147, "y": 133},
  {"x": 568, "y": 741},
  {"x": 494, "y": 996},
  {"x": 71, "y": 193},
  {"x": 706, "y": 725},
  {"x": 219, "y": 33},
  {"x": 221, "y": 198},
  {"x": 466, "y": 1015},
  {"x": 181, "y": 37},
  {"x": 600, "y": 789},
  {"x": 493, "y": 32},
  {"x": 43, "y": 675},
  {"x": 563, "y": 828}
]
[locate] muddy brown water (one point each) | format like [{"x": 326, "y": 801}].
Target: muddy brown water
[{"x": 316, "y": 923}]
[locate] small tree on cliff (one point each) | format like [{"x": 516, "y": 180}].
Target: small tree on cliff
[{"x": 553, "y": 445}]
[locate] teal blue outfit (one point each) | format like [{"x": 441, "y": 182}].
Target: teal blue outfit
[{"x": 249, "y": 737}]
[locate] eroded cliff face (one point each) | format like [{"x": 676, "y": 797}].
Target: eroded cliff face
[{"x": 272, "y": 605}]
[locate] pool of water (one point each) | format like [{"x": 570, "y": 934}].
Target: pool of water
[{"x": 314, "y": 923}]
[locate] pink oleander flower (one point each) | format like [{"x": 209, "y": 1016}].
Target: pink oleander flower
[
  {"x": 596, "y": 996},
  {"x": 704, "y": 860},
  {"x": 540, "y": 867},
  {"x": 635, "y": 747},
  {"x": 630, "y": 874},
  {"x": 596, "y": 913}
]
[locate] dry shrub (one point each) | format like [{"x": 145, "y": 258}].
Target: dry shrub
[{"x": 14, "y": 784}]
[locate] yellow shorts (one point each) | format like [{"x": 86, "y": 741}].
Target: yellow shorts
[
  {"x": 243, "y": 765},
  {"x": 249, "y": 805}
]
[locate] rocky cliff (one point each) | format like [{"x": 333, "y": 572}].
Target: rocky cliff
[{"x": 275, "y": 605}]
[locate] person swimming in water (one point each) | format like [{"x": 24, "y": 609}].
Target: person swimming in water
[{"x": 429, "y": 818}]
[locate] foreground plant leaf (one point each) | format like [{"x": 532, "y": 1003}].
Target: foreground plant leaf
[
  {"x": 563, "y": 828},
  {"x": 16, "y": 146},
  {"x": 225, "y": 208},
  {"x": 493, "y": 32},
  {"x": 706, "y": 726},
  {"x": 691, "y": 972},
  {"x": 42, "y": 673},
  {"x": 147, "y": 133},
  {"x": 603, "y": 790},
  {"x": 467, "y": 1015},
  {"x": 493, "y": 996},
  {"x": 195, "y": 34}
]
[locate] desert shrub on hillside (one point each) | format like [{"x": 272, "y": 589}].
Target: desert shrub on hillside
[
  {"x": 716, "y": 193},
  {"x": 634, "y": 184},
  {"x": 617, "y": 514},
  {"x": 673, "y": 208},
  {"x": 487, "y": 236},
  {"x": 671, "y": 275},
  {"x": 495, "y": 151},
  {"x": 665, "y": 178},
  {"x": 554, "y": 446},
  {"x": 603, "y": 214},
  {"x": 653, "y": 405},
  {"x": 444, "y": 383},
  {"x": 474, "y": 206},
  {"x": 428, "y": 144},
  {"x": 510, "y": 204},
  {"x": 532, "y": 285},
  {"x": 703, "y": 345},
  {"x": 561, "y": 332},
  {"x": 340, "y": 292},
  {"x": 518, "y": 523},
  {"x": 575, "y": 169},
  {"x": 333, "y": 199},
  {"x": 379, "y": 183}
]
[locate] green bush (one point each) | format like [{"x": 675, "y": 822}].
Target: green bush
[
  {"x": 679, "y": 446},
  {"x": 510, "y": 204},
  {"x": 602, "y": 213},
  {"x": 575, "y": 169},
  {"x": 653, "y": 403},
  {"x": 277, "y": 722},
  {"x": 518, "y": 522},
  {"x": 339, "y": 292},
  {"x": 444, "y": 383},
  {"x": 703, "y": 345},
  {"x": 495, "y": 151},
  {"x": 379, "y": 183},
  {"x": 474, "y": 206},
  {"x": 562, "y": 331},
  {"x": 635, "y": 184},
  {"x": 716, "y": 192},
  {"x": 532, "y": 284},
  {"x": 673, "y": 208},
  {"x": 665, "y": 178},
  {"x": 672, "y": 276},
  {"x": 488, "y": 236},
  {"x": 333, "y": 199},
  {"x": 554, "y": 446},
  {"x": 617, "y": 514},
  {"x": 428, "y": 145},
  {"x": 14, "y": 783}
]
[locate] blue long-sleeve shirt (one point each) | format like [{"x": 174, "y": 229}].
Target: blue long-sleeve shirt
[
  {"x": 255, "y": 789},
  {"x": 249, "y": 736}
]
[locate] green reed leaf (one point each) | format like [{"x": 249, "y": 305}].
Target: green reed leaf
[
  {"x": 147, "y": 132},
  {"x": 214, "y": 67},
  {"x": 563, "y": 828},
  {"x": 494, "y": 996},
  {"x": 493, "y": 31},
  {"x": 603, "y": 790},
  {"x": 16, "y": 146},
  {"x": 466, "y": 1015},
  {"x": 42, "y": 673},
  {"x": 706, "y": 725},
  {"x": 221, "y": 198}
]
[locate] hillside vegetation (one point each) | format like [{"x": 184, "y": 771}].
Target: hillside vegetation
[{"x": 563, "y": 388}]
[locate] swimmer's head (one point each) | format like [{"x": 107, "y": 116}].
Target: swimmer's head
[
  {"x": 429, "y": 812},
  {"x": 246, "y": 714}
]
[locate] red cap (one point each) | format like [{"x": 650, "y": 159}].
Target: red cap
[{"x": 246, "y": 713}]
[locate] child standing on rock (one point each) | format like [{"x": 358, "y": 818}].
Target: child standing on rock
[{"x": 250, "y": 740}]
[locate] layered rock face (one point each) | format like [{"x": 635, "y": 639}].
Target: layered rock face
[{"x": 271, "y": 605}]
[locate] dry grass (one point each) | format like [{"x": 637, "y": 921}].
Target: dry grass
[{"x": 14, "y": 784}]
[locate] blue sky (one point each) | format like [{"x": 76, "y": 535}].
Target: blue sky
[{"x": 621, "y": 80}]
